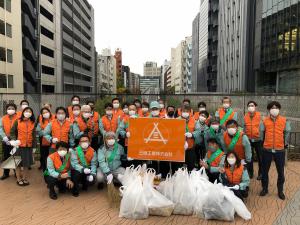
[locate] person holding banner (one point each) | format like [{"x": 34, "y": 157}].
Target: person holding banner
[
  {"x": 214, "y": 160},
  {"x": 236, "y": 141},
  {"x": 226, "y": 113},
  {"x": 6, "y": 124},
  {"x": 84, "y": 164},
  {"x": 109, "y": 159},
  {"x": 215, "y": 131},
  {"x": 58, "y": 172}
]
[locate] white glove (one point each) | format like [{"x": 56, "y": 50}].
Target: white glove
[
  {"x": 5, "y": 139},
  {"x": 13, "y": 151},
  {"x": 54, "y": 140},
  {"x": 235, "y": 187},
  {"x": 15, "y": 143},
  {"x": 18, "y": 142},
  {"x": 90, "y": 178},
  {"x": 129, "y": 159},
  {"x": 243, "y": 162},
  {"x": 33, "y": 150},
  {"x": 86, "y": 171},
  {"x": 186, "y": 145},
  {"x": 128, "y": 134},
  {"x": 188, "y": 135},
  {"x": 109, "y": 178}
]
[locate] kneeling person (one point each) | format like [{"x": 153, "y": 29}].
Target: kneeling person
[
  {"x": 58, "y": 172},
  {"x": 84, "y": 164},
  {"x": 109, "y": 158}
]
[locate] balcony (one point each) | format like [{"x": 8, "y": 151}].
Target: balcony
[
  {"x": 68, "y": 66},
  {"x": 29, "y": 50},
  {"x": 29, "y": 29},
  {"x": 28, "y": 8},
  {"x": 29, "y": 71},
  {"x": 67, "y": 52}
]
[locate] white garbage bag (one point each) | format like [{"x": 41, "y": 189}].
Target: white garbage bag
[{"x": 166, "y": 188}]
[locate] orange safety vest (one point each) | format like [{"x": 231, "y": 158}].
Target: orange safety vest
[
  {"x": 274, "y": 133},
  {"x": 57, "y": 163},
  {"x": 191, "y": 125},
  {"x": 88, "y": 154},
  {"x": 142, "y": 115},
  {"x": 70, "y": 111},
  {"x": 197, "y": 115},
  {"x": 118, "y": 113},
  {"x": 83, "y": 125},
  {"x": 222, "y": 114},
  {"x": 162, "y": 113},
  {"x": 110, "y": 125},
  {"x": 235, "y": 177},
  {"x": 95, "y": 122},
  {"x": 19, "y": 114},
  {"x": 179, "y": 112},
  {"x": 8, "y": 122},
  {"x": 25, "y": 135},
  {"x": 239, "y": 148},
  {"x": 43, "y": 125},
  {"x": 252, "y": 125},
  {"x": 60, "y": 131},
  {"x": 217, "y": 160}
]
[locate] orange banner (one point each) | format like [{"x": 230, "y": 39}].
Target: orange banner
[{"x": 157, "y": 139}]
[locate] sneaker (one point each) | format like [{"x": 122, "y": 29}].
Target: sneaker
[
  {"x": 264, "y": 192},
  {"x": 75, "y": 194},
  {"x": 100, "y": 186},
  {"x": 53, "y": 195},
  {"x": 4, "y": 177},
  {"x": 281, "y": 195}
]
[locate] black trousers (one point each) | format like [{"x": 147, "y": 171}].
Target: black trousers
[
  {"x": 6, "y": 154},
  {"x": 241, "y": 193},
  {"x": 79, "y": 178},
  {"x": 44, "y": 152},
  {"x": 213, "y": 176},
  {"x": 279, "y": 158},
  {"x": 257, "y": 147},
  {"x": 52, "y": 182},
  {"x": 200, "y": 152},
  {"x": 190, "y": 161}
]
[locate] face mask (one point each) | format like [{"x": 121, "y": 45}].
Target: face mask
[
  {"x": 111, "y": 142},
  {"x": 24, "y": 106},
  {"x": 126, "y": 111},
  {"x": 27, "y": 115},
  {"x": 86, "y": 115},
  {"x": 231, "y": 161},
  {"x": 251, "y": 109},
  {"x": 202, "y": 119},
  {"x": 46, "y": 115},
  {"x": 61, "y": 117},
  {"x": 274, "y": 112},
  {"x": 202, "y": 109},
  {"x": 75, "y": 102},
  {"x": 131, "y": 113},
  {"x": 144, "y": 110},
  {"x": 226, "y": 105},
  {"x": 231, "y": 131},
  {"x": 171, "y": 114},
  {"x": 185, "y": 115},
  {"x": 155, "y": 113},
  {"x": 212, "y": 148},
  {"x": 109, "y": 113},
  {"x": 84, "y": 145},
  {"x": 215, "y": 127},
  {"x": 138, "y": 105},
  {"x": 161, "y": 106},
  {"x": 116, "y": 105},
  {"x": 62, "y": 153},
  {"x": 76, "y": 112},
  {"x": 11, "y": 112}
]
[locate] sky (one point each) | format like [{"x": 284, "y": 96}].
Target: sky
[{"x": 145, "y": 30}]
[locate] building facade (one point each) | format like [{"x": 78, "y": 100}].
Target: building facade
[
  {"x": 150, "y": 84},
  {"x": 195, "y": 54},
  {"x": 187, "y": 73},
  {"x": 134, "y": 83},
  {"x": 164, "y": 68},
  {"x": 151, "y": 69},
  {"x": 168, "y": 79}
]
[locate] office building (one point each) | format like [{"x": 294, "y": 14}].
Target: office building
[
  {"x": 150, "y": 84},
  {"x": 164, "y": 68},
  {"x": 151, "y": 69},
  {"x": 134, "y": 83},
  {"x": 195, "y": 55}
]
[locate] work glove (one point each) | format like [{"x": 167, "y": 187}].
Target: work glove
[
  {"x": 5, "y": 139},
  {"x": 109, "y": 178},
  {"x": 13, "y": 151},
  {"x": 188, "y": 135},
  {"x": 33, "y": 150},
  {"x": 86, "y": 171},
  {"x": 129, "y": 159},
  {"x": 15, "y": 143},
  {"x": 128, "y": 134},
  {"x": 90, "y": 178},
  {"x": 235, "y": 187},
  {"x": 54, "y": 140},
  {"x": 243, "y": 162},
  {"x": 186, "y": 145}
]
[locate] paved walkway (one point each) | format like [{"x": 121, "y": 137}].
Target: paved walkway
[{"x": 31, "y": 205}]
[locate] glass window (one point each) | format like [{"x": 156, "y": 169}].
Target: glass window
[
  {"x": 10, "y": 81},
  {"x": 2, "y": 4},
  {"x": 3, "y": 81},
  {"x": 8, "y": 5},
  {"x": 2, "y": 27},
  {"x": 8, "y": 30},
  {"x": 2, "y": 54},
  {"x": 9, "y": 56}
]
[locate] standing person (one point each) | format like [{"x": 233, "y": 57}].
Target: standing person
[
  {"x": 58, "y": 172},
  {"x": 252, "y": 123},
  {"x": 170, "y": 114},
  {"x": 24, "y": 132},
  {"x": 95, "y": 117},
  {"x": 109, "y": 122},
  {"x": 145, "y": 110},
  {"x": 185, "y": 103},
  {"x": 109, "y": 159},
  {"x": 23, "y": 104},
  {"x": 215, "y": 131},
  {"x": 138, "y": 105},
  {"x": 84, "y": 164},
  {"x": 75, "y": 100},
  {"x": 76, "y": 113},
  {"x": 275, "y": 132},
  {"x": 59, "y": 130},
  {"x": 125, "y": 109},
  {"x": 201, "y": 107},
  {"x": 6, "y": 124},
  {"x": 117, "y": 111},
  {"x": 49, "y": 106},
  {"x": 226, "y": 112},
  {"x": 83, "y": 124},
  {"x": 162, "y": 108},
  {"x": 44, "y": 120},
  {"x": 235, "y": 176}
]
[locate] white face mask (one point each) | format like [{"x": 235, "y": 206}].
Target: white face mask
[
  {"x": 27, "y": 114},
  {"x": 162, "y": 106},
  {"x": 86, "y": 115},
  {"x": 46, "y": 115},
  {"x": 231, "y": 161},
  {"x": 215, "y": 127},
  {"x": 75, "y": 102},
  {"x": 111, "y": 142},
  {"x": 76, "y": 112},
  {"x": 11, "y": 112},
  {"x": 202, "y": 109},
  {"x": 125, "y": 110},
  {"x": 155, "y": 113},
  {"x": 144, "y": 110},
  {"x": 116, "y": 105},
  {"x": 251, "y": 109},
  {"x": 109, "y": 112},
  {"x": 24, "y": 106},
  {"x": 226, "y": 105},
  {"x": 61, "y": 117},
  {"x": 274, "y": 112},
  {"x": 202, "y": 119},
  {"x": 84, "y": 145},
  {"x": 231, "y": 131},
  {"x": 62, "y": 153},
  {"x": 131, "y": 113},
  {"x": 185, "y": 115}
]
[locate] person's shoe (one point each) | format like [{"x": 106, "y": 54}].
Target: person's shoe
[
  {"x": 75, "y": 194},
  {"x": 264, "y": 192},
  {"x": 259, "y": 177},
  {"x": 100, "y": 186},
  {"x": 281, "y": 195},
  {"x": 53, "y": 195},
  {"x": 4, "y": 177},
  {"x": 62, "y": 191}
]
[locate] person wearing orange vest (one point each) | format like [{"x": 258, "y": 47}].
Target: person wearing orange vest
[
  {"x": 84, "y": 165},
  {"x": 162, "y": 108},
  {"x": 58, "y": 172},
  {"x": 23, "y": 133},
  {"x": 201, "y": 107},
  {"x": 235, "y": 176},
  {"x": 76, "y": 112},
  {"x": 23, "y": 104},
  {"x": 6, "y": 123},
  {"x": 235, "y": 140},
  {"x": 44, "y": 119},
  {"x": 145, "y": 110},
  {"x": 138, "y": 105},
  {"x": 75, "y": 100},
  {"x": 275, "y": 132},
  {"x": 214, "y": 160},
  {"x": 251, "y": 124},
  {"x": 95, "y": 117},
  {"x": 117, "y": 111},
  {"x": 109, "y": 122},
  {"x": 83, "y": 124},
  {"x": 59, "y": 129},
  {"x": 170, "y": 114},
  {"x": 49, "y": 106},
  {"x": 185, "y": 103},
  {"x": 226, "y": 113}
]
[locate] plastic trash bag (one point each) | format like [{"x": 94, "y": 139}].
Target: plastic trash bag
[{"x": 166, "y": 187}]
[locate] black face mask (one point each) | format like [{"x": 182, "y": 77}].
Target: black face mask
[{"x": 171, "y": 114}]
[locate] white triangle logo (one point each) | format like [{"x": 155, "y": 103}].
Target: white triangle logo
[{"x": 155, "y": 135}]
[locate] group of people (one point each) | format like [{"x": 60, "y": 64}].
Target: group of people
[{"x": 78, "y": 147}]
